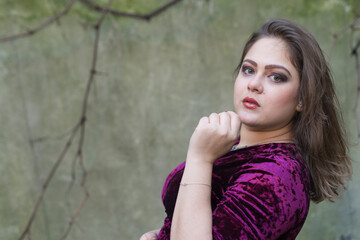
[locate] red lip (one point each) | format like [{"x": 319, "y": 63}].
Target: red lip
[{"x": 250, "y": 103}]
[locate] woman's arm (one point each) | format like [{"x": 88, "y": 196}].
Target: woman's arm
[{"x": 213, "y": 137}]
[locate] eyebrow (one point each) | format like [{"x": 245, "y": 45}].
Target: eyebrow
[{"x": 271, "y": 66}]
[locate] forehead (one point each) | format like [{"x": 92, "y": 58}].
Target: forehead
[{"x": 270, "y": 50}]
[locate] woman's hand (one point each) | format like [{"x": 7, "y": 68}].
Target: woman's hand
[
  {"x": 152, "y": 235},
  {"x": 214, "y": 136}
]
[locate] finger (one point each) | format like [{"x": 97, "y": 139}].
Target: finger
[
  {"x": 235, "y": 122},
  {"x": 225, "y": 120},
  {"x": 214, "y": 119},
  {"x": 149, "y": 236},
  {"x": 203, "y": 120},
  {"x": 153, "y": 236},
  {"x": 145, "y": 237}
]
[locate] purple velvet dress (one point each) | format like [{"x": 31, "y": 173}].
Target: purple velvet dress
[{"x": 258, "y": 192}]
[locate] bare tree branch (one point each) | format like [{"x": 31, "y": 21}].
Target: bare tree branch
[
  {"x": 42, "y": 25},
  {"x": 343, "y": 30},
  {"x": 94, "y": 6},
  {"x": 146, "y": 17},
  {"x": 81, "y": 126},
  {"x": 84, "y": 112},
  {"x": 48, "y": 138},
  {"x": 354, "y": 52},
  {"x": 82, "y": 121},
  {"x": 47, "y": 181}
]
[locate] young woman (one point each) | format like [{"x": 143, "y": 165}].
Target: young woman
[{"x": 291, "y": 147}]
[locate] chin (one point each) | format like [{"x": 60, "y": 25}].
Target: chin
[
  {"x": 248, "y": 119},
  {"x": 252, "y": 125}
]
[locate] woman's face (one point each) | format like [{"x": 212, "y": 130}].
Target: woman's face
[{"x": 265, "y": 91}]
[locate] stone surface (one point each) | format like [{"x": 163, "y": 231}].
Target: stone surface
[{"x": 157, "y": 79}]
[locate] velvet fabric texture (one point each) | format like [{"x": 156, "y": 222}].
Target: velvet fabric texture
[{"x": 258, "y": 192}]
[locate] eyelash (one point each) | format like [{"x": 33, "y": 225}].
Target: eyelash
[
  {"x": 245, "y": 68},
  {"x": 280, "y": 77}
]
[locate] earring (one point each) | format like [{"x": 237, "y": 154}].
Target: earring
[{"x": 299, "y": 107}]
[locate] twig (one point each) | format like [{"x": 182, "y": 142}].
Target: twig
[
  {"x": 48, "y": 179},
  {"x": 42, "y": 25},
  {"x": 84, "y": 111},
  {"x": 81, "y": 123},
  {"x": 354, "y": 52},
  {"x": 145, "y": 17},
  {"x": 35, "y": 159},
  {"x": 43, "y": 139},
  {"x": 342, "y": 31}
]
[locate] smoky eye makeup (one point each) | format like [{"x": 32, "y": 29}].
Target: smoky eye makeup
[
  {"x": 278, "y": 77},
  {"x": 274, "y": 71},
  {"x": 245, "y": 69},
  {"x": 275, "y": 66}
]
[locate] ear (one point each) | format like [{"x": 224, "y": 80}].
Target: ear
[{"x": 299, "y": 107}]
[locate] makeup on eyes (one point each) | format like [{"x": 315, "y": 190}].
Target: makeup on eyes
[
  {"x": 279, "y": 76},
  {"x": 245, "y": 68}
]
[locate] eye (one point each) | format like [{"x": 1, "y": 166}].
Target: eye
[
  {"x": 247, "y": 70},
  {"x": 278, "y": 77}
]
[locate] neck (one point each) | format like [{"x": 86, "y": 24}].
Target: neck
[{"x": 249, "y": 136}]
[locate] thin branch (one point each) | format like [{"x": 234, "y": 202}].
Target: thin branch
[
  {"x": 85, "y": 198},
  {"x": 354, "y": 52},
  {"x": 42, "y": 25},
  {"x": 145, "y": 17},
  {"x": 35, "y": 158},
  {"x": 349, "y": 26},
  {"x": 46, "y": 183},
  {"x": 43, "y": 139},
  {"x": 84, "y": 111},
  {"x": 81, "y": 123},
  {"x": 342, "y": 31}
]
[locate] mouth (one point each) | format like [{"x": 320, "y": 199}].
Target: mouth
[{"x": 250, "y": 103}]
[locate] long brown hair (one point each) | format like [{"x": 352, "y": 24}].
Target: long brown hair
[{"x": 318, "y": 129}]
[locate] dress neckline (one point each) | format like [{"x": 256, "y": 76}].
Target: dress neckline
[{"x": 260, "y": 144}]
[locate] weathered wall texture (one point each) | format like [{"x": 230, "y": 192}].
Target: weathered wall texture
[{"x": 157, "y": 79}]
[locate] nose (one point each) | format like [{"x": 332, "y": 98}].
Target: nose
[{"x": 255, "y": 84}]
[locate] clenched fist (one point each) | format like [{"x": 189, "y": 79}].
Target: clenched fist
[{"x": 214, "y": 136}]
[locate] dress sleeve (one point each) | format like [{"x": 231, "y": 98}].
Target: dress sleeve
[{"x": 267, "y": 199}]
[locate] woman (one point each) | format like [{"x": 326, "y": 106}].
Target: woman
[{"x": 291, "y": 147}]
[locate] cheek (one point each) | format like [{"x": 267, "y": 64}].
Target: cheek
[
  {"x": 239, "y": 88},
  {"x": 237, "y": 96},
  {"x": 286, "y": 99}
]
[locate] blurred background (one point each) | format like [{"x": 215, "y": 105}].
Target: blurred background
[{"x": 148, "y": 83}]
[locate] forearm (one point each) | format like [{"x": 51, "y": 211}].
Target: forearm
[
  {"x": 213, "y": 137},
  {"x": 192, "y": 217}
]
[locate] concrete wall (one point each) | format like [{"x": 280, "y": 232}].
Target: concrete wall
[{"x": 157, "y": 79}]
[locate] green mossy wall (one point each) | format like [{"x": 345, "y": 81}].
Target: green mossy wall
[{"x": 157, "y": 79}]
